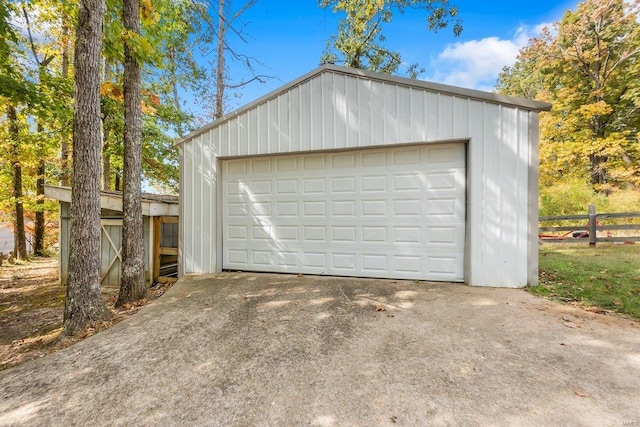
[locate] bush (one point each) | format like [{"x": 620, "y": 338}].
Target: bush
[
  {"x": 570, "y": 197},
  {"x": 624, "y": 201}
]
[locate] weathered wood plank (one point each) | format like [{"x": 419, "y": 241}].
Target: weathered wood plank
[
  {"x": 564, "y": 228},
  {"x": 563, "y": 217},
  {"x": 619, "y": 215}
]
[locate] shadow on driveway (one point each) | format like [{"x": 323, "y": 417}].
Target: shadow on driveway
[{"x": 269, "y": 349}]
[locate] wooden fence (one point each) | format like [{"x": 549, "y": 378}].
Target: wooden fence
[{"x": 585, "y": 228}]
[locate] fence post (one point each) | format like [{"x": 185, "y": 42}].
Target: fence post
[{"x": 592, "y": 225}]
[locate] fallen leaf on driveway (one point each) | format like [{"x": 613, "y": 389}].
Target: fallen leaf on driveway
[
  {"x": 581, "y": 393},
  {"x": 597, "y": 310}
]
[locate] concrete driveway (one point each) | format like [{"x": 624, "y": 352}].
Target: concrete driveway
[{"x": 267, "y": 349}]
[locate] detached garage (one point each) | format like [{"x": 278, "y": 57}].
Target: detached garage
[{"x": 352, "y": 173}]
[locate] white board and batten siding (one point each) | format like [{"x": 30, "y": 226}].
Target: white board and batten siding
[{"x": 334, "y": 110}]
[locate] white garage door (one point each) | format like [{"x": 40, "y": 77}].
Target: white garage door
[{"x": 387, "y": 212}]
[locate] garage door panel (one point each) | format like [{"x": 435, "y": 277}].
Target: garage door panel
[
  {"x": 444, "y": 236},
  {"x": 314, "y": 162},
  {"x": 386, "y": 212},
  {"x": 374, "y": 183},
  {"x": 343, "y": 261},
  {"x": 287, "y": 232},
  {"x": 407, "y": 235},
  {"x": 374, "y": 264},
  {"x": 237, "y": 256},
  {"x": 287, "y": 209},
  {"x": 315, "y": 260},
  {"x": 261, "y": 166},
  {"x": 261, "y": 208},
  {"x": 287, "y": 186},
  {"x": 236, "y": 232},
  {"x": 445, "y": 156},
  {"x": 273, "y": 236},
  {"x": 374, "y": 158},
  {"x": 286, "y": 164},
  {"x": 260, "y": 187},
  {"x": 236, "y": 209},
  {"x": 236, "y": 167},
  {"x": 314, "y": 233},
  {"x": 374, "y": 234},
  {"x": 286, "y": 260},
  {"x": 316, "y": 208},
  {"x": 343, "y": 208},
  {"x": 343, "y": 233},
  {"x": 407, "y": 264},
  {"x": 406, "y": 156},
  {"x": 442, "y": 209},
  {"x": 262, "y": 258},
  {"x": 315, "y": 186},
  {"x": 410, "y": 182},
  {"x": 375, "y": 208},
  {"x": 407, "y": 208},
  {"x": 345, "y": 185}
]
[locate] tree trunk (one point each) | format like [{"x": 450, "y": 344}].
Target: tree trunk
[
  {"x": 84, "y": 304},
  {"x": 174, "y": 86},
  {"x": 106, "y": 156},
  {"x": 220, "y": 81},
  {"x": 38, "y": 242},
  {"x": 64, "y": 144},
  {"x": 598, "y": 169},
  {"x": 106, "y": 162},
  {"x": 19, "y": 235},
  {"x": 132, "y": 285},
  {"x": 38, "y": 238}
]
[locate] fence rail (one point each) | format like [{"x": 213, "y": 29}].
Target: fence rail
[{"x": 588, "y": 231}]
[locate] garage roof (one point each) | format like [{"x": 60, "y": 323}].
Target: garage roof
[
  {"x": 152, "y": 204},
  {"x": 493, "y": 98}
]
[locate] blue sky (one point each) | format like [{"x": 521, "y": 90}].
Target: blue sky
[{"x": 288, "y": 38}]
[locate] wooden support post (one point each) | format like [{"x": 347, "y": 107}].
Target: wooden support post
[
  {"x": 157, "y": 225},
  {"x": 592, "y": 225}
]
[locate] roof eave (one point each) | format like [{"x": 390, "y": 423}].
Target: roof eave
[
  {"x": 474, "y": 94},
  {"x": 113, "y": 202}
]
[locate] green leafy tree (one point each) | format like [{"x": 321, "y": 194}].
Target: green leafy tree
[
  {"x": 359, "y": 42},
  {"x": 20, "y": 96},
  {"x": 164, "y": 49},
  {"x": 587, "y": 67},
  {"x": 42, "y": 62}
]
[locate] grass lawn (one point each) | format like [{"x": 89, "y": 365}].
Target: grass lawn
[{"x": 605, "y": 277}]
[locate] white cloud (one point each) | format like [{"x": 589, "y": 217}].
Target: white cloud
[{"x": 477, "y": 63}]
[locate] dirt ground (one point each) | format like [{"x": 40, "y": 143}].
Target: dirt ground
[{"x": 31, "y": 310}]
